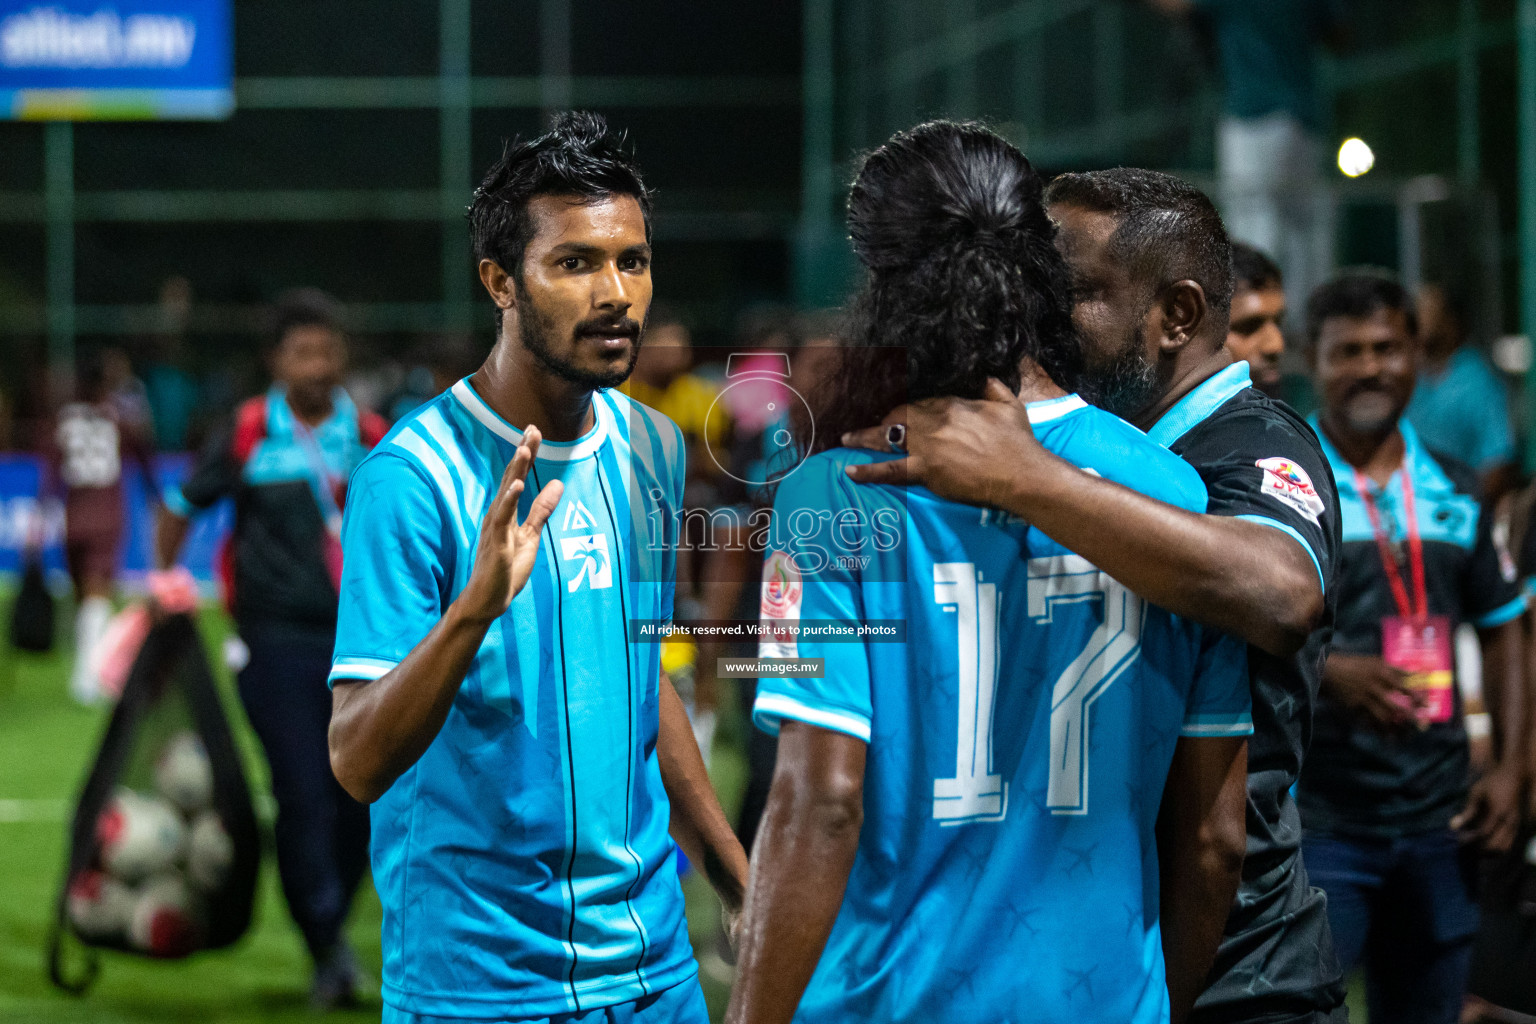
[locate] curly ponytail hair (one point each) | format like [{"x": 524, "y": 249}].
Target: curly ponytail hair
[{"x": 964, "y": 280}]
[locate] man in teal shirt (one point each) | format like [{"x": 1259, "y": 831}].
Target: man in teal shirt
[{"x": 1460, "y": 407}]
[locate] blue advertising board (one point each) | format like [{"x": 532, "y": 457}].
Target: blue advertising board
[
  {"x": 29, "y": 517},
  {"x": 86, "y": 60}
]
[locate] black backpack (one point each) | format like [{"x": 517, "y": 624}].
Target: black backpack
[
  {"x": 32, "y": 614},
  {"x": 148, "y": 870}
]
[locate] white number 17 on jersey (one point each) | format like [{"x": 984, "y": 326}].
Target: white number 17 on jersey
[{"x": 976, "y": 792}]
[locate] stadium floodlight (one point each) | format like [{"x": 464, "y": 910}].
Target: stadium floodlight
[{"x": 1355, "y": 157}]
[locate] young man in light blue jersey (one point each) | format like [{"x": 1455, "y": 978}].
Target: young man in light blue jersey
[
  {"x": 525, "y": 757},
  {"x": 964, "y": 824}
]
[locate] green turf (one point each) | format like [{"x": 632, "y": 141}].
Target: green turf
[{"x": 46, "y": 746}]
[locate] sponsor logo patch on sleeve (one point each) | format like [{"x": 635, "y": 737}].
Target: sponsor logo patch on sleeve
[
  {"x": 1289, "y": 484},
  {"x": 783, "y": 588}
]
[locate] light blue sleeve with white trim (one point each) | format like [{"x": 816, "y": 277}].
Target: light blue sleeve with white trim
[
  {"x": 394, "y": 568},
  {"x": 1220, "y": 703},
  {"x": 802, "y": 582}
]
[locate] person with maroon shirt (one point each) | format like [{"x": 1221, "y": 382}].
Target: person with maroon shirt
[
  {"x": 91, "y": 438},
  {"x": 285, "y": 458}
]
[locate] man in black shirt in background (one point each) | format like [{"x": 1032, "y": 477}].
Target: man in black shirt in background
[
  {"x": 1255, "y": 334},
  {"x": 1385, "y": 790},
  {"x": 1152, "y": 272},
  {"x": 285, "y": 458}
]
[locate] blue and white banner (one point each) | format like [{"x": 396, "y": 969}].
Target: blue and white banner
[
  {"x": 28, "y": 517},
  {"x": 116, "y": 60}
]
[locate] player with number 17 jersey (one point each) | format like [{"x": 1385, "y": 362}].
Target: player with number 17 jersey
[{"x": 1018, "y": 740}]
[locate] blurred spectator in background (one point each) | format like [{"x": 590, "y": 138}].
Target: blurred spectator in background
[
  {"x": 1460, "y": 407},
  {"x": 126, "y": 392},
  {"x": 756, "y": 393},
  {"x": 169, "y": 387},
  {"x": 1267, "y": 146},
  {"x": 91, "y": 438},
  {"x": 435, "y": 365},
  {"x": 813, "y": 362},
  {"x": 1258, "y": 308},
  {"x": 1384, "y": 793},
  {"x": 663, "y": 381},
  {"x": 285, "y": 458}
]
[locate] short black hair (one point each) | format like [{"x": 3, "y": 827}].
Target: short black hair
[
  {"x": 1253, "y": 270},
  {"x": 577, "y": 157},
  {"x": 1358, "y": 294},
  {"x": 304, "y": 307},
  {"x": 964, "y": 278},
  {"x": 1168, "y": 230}
]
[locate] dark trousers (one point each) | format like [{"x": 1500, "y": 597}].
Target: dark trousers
[
  {"x": 1407, "y": 908},
  {"x": 321, "y": 832}
]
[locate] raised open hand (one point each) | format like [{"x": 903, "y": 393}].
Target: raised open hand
[{"x": 504, "y": 559}]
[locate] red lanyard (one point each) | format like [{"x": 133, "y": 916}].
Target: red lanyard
[{"x": 1384, "y": 548}]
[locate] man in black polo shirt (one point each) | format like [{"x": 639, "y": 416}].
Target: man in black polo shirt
[
  {"x": 285, "y": 457},
  {"x": 1386, "y": 788},
  {"x": 1152, "y": 271}
]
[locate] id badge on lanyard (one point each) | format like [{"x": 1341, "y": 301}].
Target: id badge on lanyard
[{"x": 1413, "y": 640}]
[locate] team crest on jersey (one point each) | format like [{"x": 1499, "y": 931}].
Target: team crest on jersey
[
  {"x": 1289, "y": 484},
  {"x": 591, "y": 550},
  {"x": 782, "y": 587},
  {"x": 576, "y": 517}
]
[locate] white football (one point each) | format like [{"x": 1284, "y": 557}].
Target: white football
[
  {"x": 139, "y": 835},
  {"x": 164, "y": 920},
  {"x": 100, "y": 906},
  {"x": 210, "y": 852},
  {"x": 183, "y": 774}
]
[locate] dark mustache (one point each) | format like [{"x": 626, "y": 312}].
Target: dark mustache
[{"x": 609, "y": 328}]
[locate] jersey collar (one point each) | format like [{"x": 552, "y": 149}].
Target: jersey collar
[
  {"x": 1053, "y": 408},
  {"x": 280, "y": 417},
  {"x": 549, "y": 451},
  {"x": 1194, "y": 408},
  {"x": 1426, "y": 473}
]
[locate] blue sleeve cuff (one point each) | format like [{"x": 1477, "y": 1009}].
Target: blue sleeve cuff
[
  {"x": 1202, "y": 726},
  {"x": 1507, "y": 612},
  {"x": 772, "y": 708},
  {"x": 351, "y": 667},
  {"x": 1292, "y": 532},
  {"x": 177, "y": 502}
]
